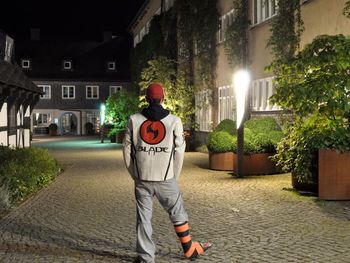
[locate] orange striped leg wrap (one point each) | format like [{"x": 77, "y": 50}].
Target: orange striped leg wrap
[{"x": 191, "y": 249}]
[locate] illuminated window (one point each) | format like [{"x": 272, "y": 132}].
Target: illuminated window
[
  {"x": 203, "y": 111},
  {"x": 263, "y": 10},
  {"x": 262, "y": 90},
  {"x": 227, "y": 103}
]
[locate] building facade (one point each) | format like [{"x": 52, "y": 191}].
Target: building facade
[
  {"x": 319, "y": 17},
  {"x": 18, "y": 96},
  {"x": 76, "y": 77}
]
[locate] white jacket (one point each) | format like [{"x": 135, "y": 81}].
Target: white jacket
[{"x": 154, "y": 151}]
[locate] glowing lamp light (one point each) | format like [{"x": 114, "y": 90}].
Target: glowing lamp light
[
  {"x": 103, "y": 113},
  {"x": 241, "y": 81}
]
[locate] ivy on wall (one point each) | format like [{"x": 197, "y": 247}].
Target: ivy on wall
[
  {"x": 206, "y": 26},
  {"x": 286, "y": 28},
  {"x": 346, "y": 10},
  {"x": 161, "y": 40},
  {"x": 236, "y": 34}
]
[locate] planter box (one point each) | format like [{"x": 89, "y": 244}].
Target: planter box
[
  {"x": 254, "y": 164},
  {"x": 334, "y": 175},
  {"x": 221, "y": 161}
]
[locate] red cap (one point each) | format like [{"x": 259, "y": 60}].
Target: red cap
[{"x": 155, "y": 91}]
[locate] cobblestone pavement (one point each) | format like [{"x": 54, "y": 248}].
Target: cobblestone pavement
[{"x": 88, "y": 215}]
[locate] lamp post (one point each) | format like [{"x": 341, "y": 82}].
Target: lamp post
[
  {"x": 241, "y": 80},
  {"x": 102, "y": 120}
]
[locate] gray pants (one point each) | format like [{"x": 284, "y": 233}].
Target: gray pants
[{"x": 169, "y": 196}]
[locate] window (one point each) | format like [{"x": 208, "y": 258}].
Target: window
[
  {"x": 114, "y": 89},
  {"x": 225, "y": 21},
  {"x": 227, "y": 103},
  {"x": 111, "y": 65},
  {"x": 203, "y": 111},
  {"x": 262, "y": 90},
  {"x": 263, "y": 10},
  {"x": 92, "y": 92},
  {"x": 67, "y": 64},
  {"x": 68, "y": 92},
  {"x": 42, "y": 119},
  {"x": 25, "y": 63},
  {"x": 47, "y": 91}
]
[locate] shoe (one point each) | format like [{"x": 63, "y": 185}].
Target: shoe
[{"x": 199, "y": 249}]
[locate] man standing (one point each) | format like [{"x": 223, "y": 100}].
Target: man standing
[{"x": 153, "y": 150}]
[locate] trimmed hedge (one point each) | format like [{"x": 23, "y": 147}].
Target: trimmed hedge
[
  {"x": 260, "y": 136},
  {"x": 26, "y": 170}
]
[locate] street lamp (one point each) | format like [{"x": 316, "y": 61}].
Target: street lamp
[
  {"x": 241, "y": 81},
  {"x": 102, "y": 120}
]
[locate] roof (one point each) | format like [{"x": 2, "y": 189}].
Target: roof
[
  {"x": 89, "y": 59},
  {"x": 12, "y": 75}
]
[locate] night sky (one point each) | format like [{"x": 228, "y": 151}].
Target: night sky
[{"x": 76, "y": 19}]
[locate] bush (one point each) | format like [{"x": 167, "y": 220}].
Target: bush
[
  {"x": 227, "y": 126},
  {"x": 260, "y": 136},
  {"x": 119, "y": 107},
  {"x": 27, "y": 170},
  {"x": 262, "y": 125},
  {"x": 5, "y": 198},
  {"x": 220, "y": 141},
  {"x": 297, "y": 152}
]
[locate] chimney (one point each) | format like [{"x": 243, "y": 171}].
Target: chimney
[
  {"x": 35, "y": 34},
  {"x": 107, "y": 36}
]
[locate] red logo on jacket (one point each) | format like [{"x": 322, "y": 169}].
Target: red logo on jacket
[{"x": 152, "y": 132}]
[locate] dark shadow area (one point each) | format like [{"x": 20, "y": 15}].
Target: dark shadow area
[
  {"x": 68, "y": 241},
  {"x": 336, "y": 209}
]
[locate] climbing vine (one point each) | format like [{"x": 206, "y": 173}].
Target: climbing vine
[
  {"x": 205, "y": 29},
  {"x": 346, "y": 10},
  {"x": 286, "y": 28},
  {"x": 236, "y": 34}
]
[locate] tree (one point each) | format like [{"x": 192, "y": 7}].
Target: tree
[
  {"x": 119, "y": 107},
  {"x": 315, "y": 88},
  {"x": 178, "y": 94}
]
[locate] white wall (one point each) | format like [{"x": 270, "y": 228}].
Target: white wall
[
  {"x": 27, "y": 131},
  {"x": 3, "y": 115},
  {"x": 12, "y": 141}
]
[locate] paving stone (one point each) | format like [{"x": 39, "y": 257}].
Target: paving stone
[{"x": 88, "y": 214}]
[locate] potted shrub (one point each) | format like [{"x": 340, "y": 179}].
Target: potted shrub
[
  {"x": 220, "y": 145},
  {"x": 314, "y": 88},
  {"x": 53, "y": 128},
  {"x": 89, "y": 128},
  {"x": 119, "y": 107},
  {"x": 261, "y": 137}
]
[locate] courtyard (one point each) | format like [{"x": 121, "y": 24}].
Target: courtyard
[{"x": 88, "y": 214}]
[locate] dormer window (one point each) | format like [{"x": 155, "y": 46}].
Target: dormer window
[
  {"x": 67, "y": 64},
  {"x": 111, "y": 65},
  {"x": 25, "y": 63}
]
